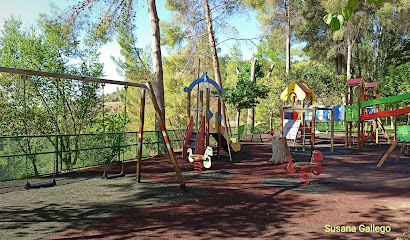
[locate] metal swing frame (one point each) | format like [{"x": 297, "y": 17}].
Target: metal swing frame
[{"x": 145, "y": 88}]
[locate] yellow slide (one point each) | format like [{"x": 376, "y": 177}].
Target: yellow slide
[{"x": 236, "y": 146}]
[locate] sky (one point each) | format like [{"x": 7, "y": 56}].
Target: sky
[{"x": 29, "y": 10}]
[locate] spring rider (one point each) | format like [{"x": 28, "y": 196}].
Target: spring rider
[
  {"x": 303, "y": 167},
  {"x": 200, "y": 160}
]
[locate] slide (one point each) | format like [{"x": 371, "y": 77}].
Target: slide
[
  {"x": 385, "y": 113},
  {"x": 234, "y": 146},
  {"x": 392, "y": 99}
]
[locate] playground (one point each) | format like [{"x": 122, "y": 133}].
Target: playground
[
  {"x": 230, "y": 189},
  {"x": 242, "y": 199}
]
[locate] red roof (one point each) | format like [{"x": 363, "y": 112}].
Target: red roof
[
  {"x": 354, "y": 81},
  {"x": 303, "y": 87},
  {"x": 370, "y": 85}
]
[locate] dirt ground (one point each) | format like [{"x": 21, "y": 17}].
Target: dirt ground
[{"x": 242, "y": 199}]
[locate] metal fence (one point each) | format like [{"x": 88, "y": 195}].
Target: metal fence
[{"x": 41, "y": 155}]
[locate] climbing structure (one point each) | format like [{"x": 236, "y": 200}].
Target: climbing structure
[
  {"x": 368, "y": 129},
  {"x": 199, "y": 127},
  {"x": 367, "y": 108},
  {"x": 295, "y": 118}
]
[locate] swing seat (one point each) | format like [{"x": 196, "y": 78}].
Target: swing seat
[
  {"x": 40, "y": 185},
  {"x": 111, "y": 176}
]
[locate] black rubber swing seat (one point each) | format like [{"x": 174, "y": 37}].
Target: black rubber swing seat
[
  {"x": 40, "y": 185},
  {"x": 111, "y": 176}
]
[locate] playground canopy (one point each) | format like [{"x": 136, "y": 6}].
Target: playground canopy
[
  {"x": 300, "y": 90},
  {"x": 355, "y": 81}
]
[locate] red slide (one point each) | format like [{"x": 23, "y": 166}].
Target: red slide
[{"x": 385, "y": 113}]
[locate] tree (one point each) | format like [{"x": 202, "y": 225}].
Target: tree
[
  {"x": 103, "y": 28},
  {"x": 212, "y": 44},
  {"x": 51, "y": 106},
  {"x": 246, "y": 94},
  {"x": 336, "y": 21},
  {"x": 192, "y": 21},
  {"x": 134, "y": 67},
  {"x": 275, "y": 18}
]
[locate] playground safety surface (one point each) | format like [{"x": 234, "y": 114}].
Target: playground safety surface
[{"x": 243, "y": 199}]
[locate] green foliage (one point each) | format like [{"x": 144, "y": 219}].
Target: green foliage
[
  {"x": 246, "y": 94},
  {"x": 395, "y": 80},
  {"x": 321, "y": 80},
  {"x": 336, "y": 21},
  {"x": 52, "y": 106},
  {"x": 171, "y": 34}
]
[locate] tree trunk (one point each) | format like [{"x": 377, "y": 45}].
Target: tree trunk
[
  {"x": 287, "y": 33},
  {"x": 251, "y": 111},
  {"x": 280, "y": 150},
  {"x": 212, "y": 44},
  {"x": 338, "y": 64},
  {"x": 349, "y": 59},
  {"x": 156, "y": 59}
]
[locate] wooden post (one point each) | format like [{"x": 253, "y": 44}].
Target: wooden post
[
  {"x": 303, "y": 126},
  {"x": 387, "y": 154},
  {"x": 332, "y": 129},
  {"x": 395, "y": 127},
  {"x": 376, "y": 109},
  {"x": 312, "y": 130},
  {"x": 200, "y": 105},
  {"x": 281, "y": 121},
  {"x": 359, "y": 95},
  {"x": 207, "y": 118},
  {"x": 166, "y": 138},
  {"x": 375, "y": 128},
  {"x": 188, "y": 106},
  {"x": 346, "y": 126},
  {"x": 140, "y": 135},
  {"x": 218, "y": 124},
  {"x": 401, "y": 150},
  {"x": 350, "y": 123}
]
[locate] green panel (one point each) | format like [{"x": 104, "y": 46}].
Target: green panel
[
  {"x": 392, "y": 99},
  {"x": 241, "y": 132},
  {"x": 403, "y": 133},
  {"x": 352, "y": 113}
]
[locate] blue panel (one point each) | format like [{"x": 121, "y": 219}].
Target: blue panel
[
  {"x": 370, "y": 111},
  {"x": 210, "y": 114},
  {"x": 219, "y": 118},
  {"x": 206, "y": 80},
  {"x": 326, "y": 114},
  {"x": 336, "y": 113},
  {"x": 306, "y": 113}
]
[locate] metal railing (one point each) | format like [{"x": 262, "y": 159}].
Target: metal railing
[{"x": 41, "y": 155}]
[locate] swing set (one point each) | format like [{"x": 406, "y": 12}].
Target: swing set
[
  {"x": 145, "y": 88},
  {"x": 122, "y": 173}
]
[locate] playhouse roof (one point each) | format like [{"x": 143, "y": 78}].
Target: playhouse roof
[
  {"x": 371, "y": 85},
  {"x": 354, "y": 81},
  {"x": 300, "y": 90}
]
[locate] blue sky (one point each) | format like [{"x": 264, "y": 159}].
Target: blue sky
[{"x": 28, "y": 11}]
